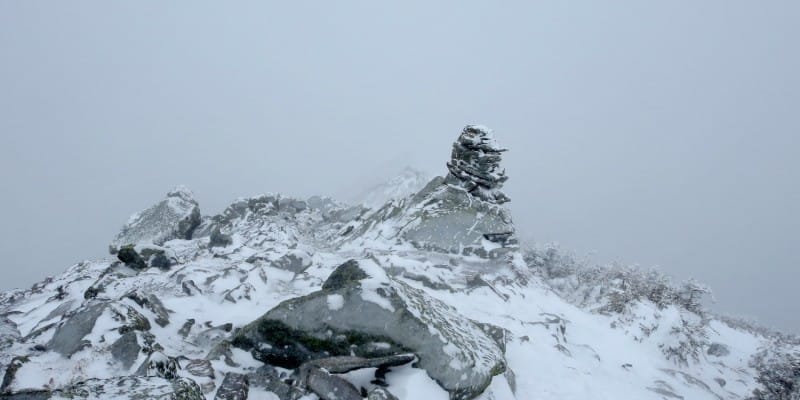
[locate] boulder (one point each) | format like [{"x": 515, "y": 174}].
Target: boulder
[
  {"x": 451, "y": 220},
  {"x": 361, "y": 307},
  {"x": 68, "y": 337},
  {"x": 135, "y": 388},
  {"x": 267, "y": 377},
  {"x": 159, "y": 365},
  {"x": 141, "y": 257},
  {"x": 344, "y": 364},
  {"x": 200, "y": 368},
  {"x": 233, "y": 387},
  {"x": 380, "y": 393},
  {"x": 329, "y": 387},
  {"x": 126, "y": 349},
  {"x": 175, "y": 217}
]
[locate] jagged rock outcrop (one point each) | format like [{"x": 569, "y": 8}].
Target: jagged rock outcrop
[
  {"x": 475, "y": 164},
  {"x": 175, "y": 217},
  {"x": 361, "y": 310},
  {"x": 461, "y": 213}
]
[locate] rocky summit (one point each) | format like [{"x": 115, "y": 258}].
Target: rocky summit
[{"x": 425, "y": 294}]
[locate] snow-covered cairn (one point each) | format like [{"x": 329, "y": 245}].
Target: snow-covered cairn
[{"x": 475, "y": 164}]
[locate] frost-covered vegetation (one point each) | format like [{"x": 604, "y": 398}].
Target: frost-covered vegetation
[{"x": 619, "y": 291}]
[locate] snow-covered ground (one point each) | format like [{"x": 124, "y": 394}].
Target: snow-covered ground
[{"x": 68, "y": 328}]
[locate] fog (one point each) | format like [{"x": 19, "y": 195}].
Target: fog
[{"x": 654, "y": 134}]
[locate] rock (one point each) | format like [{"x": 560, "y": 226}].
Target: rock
[
  {"x": 380, "y": 393},
  {"x": 219, "y": 239},
  {"x": 160, "y": 365},
  {"x": 152, "y": 303},
  {"x": 330, "y": 387},
  {"x": 233, "y": 387},
  {"x": 291, "y": 205},
  {"x": 718, "y": 350},
  {"x": 344, "y": 364},
  {"x": 11, "y": 372},
  {"x": 131, "y": 258},
  {"x": 190, "y": 288},
  {"x": 211, "y": 337},
  {"x": 222, "y": 350},
  {"x": 175, "y": 217},
  {"x": 134, "y": 320},
  {"x": 9, "y": 333},
  {"x": 475, "y": 164},
  {"x": 268, "y": 378},
  {"x": 450, "y": 220},
  {"x": 373, "y": 308},
  {"x": 200, "y": 368},
  {"x": 143, "y": 256},
  {"x": 134, "y": 388},
  {"x": 156, "y": 257},
  {"x": 27, "y": 395},
  {"x": 126, "y": 349},
  {"x": 295, "y": 261},
  {"x": 68, "y": 337},
  {"x": 345, "y": 275},
  {"x": 186, "y": 328}
]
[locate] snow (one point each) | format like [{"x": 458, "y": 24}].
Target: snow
[
  {"x": 557, "y": 347},
  {"x": 335, "y": 302}
]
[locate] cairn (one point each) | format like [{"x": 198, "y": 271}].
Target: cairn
[{"x": 475, "y": 164}]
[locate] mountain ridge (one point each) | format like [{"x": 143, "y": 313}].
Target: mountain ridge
[{"x": 427, "y": 296}]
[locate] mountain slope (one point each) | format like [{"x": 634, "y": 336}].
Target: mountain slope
[{"x": 425, "y": 297}]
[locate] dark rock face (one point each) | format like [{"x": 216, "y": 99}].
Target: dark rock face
[
  {"x": 233, "y": 387},
  {"x": 361, "y": 307},
  {"x": 143, "y": 257},
  {"x": 131, "y": 258},
  {"x": 475, "y": 164},
  {"x": 345, "y": 275}
]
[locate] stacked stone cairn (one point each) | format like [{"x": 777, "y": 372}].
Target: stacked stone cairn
[{"x": 475, "y": 164}]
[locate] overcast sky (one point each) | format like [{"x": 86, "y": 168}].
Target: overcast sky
[{"x": 658, "y": 134}]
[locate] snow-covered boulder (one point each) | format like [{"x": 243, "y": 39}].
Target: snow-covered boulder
[
  {"x": 452, "y": 220},
  {"x": 175, "y": 217},
  {"x": 362, "y": 311}
]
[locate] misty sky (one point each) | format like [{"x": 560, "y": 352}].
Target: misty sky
[{"x": 658, "y": 134}]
